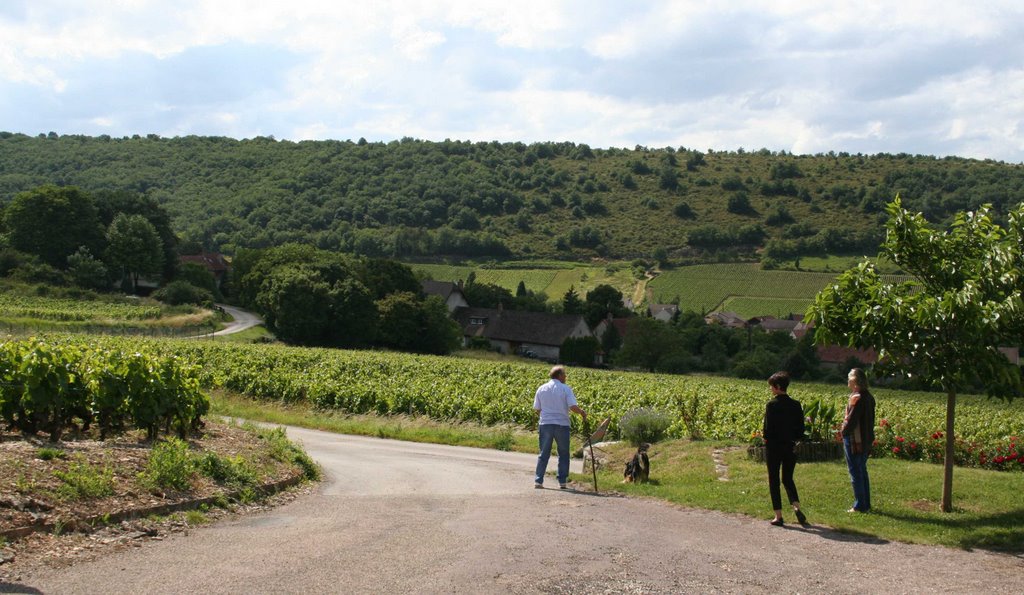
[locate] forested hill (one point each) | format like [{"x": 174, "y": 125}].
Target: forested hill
[{"x": 414, "y": 198}]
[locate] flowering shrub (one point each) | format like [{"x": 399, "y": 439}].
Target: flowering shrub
[{"x": 1008, "y": 456}]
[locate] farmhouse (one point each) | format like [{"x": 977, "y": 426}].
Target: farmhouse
[
  {"x": 728, "y": 319},
  {"x": 513, "y": 331},
  {"x": 620, "y": 325},
  {"x": 450, "y": 293},
  {"x": 663, "y": 312},
  {"x": 214, "y": 262}
]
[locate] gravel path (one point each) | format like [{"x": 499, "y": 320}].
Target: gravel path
[{"x": 395, "y": 517}]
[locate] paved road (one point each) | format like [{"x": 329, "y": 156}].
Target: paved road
[
  {"x": 242, "y": 320},
  {"x": 396, "y": 517}
]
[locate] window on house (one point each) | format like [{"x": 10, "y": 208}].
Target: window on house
[{"x": 478, "y": 320}]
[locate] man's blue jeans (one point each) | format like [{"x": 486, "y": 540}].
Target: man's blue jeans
[
  {"x": 560, "y": 435},
  {"x": 857, "y": 463}
]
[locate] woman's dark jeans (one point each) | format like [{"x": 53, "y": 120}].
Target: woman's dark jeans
[
  {"x": 857, "y": 463},
  {"x": 784, "y": 459}
]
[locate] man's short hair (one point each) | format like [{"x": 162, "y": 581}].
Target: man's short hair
[
  {"x": 779, "y": 380},
  {"x": 556, "y": 372}
]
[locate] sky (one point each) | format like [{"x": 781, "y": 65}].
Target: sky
[{"x": 932, "y": 77}]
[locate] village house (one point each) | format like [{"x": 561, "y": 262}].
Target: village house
[
  {"x": 214, "y": 262},
  {"x": 535, "y": 334},
  {"x": 620, "y": 325},
  {"x": 450, "y": 293},
  {"x": 663, "y": 312},
  {"x": 727, "y": 319}
]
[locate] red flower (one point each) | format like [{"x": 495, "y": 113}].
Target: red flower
[
  {"x": 896, "y": 450},
  {"x": 884, "y": 423},
  {"x": 900, "y": 439},
  {"x": 913, "y": 445}
]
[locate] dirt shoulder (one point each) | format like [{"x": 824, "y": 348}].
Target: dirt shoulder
[{"x": 48, "y": 517}]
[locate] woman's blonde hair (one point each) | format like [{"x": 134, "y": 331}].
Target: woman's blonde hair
[{"x": 858, "y": 376}]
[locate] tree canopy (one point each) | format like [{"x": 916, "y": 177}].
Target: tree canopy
[
  {"x": 945, "y": 326},
  {"x": 412, "y": 198}
]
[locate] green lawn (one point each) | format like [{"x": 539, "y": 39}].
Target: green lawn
[{"x": 989, "y": 512}]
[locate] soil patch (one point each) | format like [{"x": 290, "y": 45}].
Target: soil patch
[{"x": 44, "y": 522}]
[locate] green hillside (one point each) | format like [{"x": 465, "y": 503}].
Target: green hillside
[{"x": 417, "y": 199}]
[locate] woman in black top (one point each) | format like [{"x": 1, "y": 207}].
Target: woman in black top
[{"x": 783, "y": 427}]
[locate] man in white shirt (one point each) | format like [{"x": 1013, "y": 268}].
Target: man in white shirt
[{"x": 553, "y": 401}]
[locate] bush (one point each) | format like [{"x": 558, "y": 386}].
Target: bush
[
  {"x": 177, "y": 293},
  {"x": 83, "y": 480},
  {"x": 233, "y": 471},
  {"x": 170, "y": 465},
  {"x": 644, "y": 425},
  {"x": 286, "y": 451}
]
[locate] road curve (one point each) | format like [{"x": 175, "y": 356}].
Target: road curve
[
  {"x": 394, "y": 517},
  {"x": 242, "y": 320}
]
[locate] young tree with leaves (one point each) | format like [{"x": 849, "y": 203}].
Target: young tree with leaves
[
  {"x": 134, "y": 247},
  {"x": 946, "y": 325}
]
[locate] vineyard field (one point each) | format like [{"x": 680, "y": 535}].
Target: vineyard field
[
  {"x": 552, "y": 281},
  {"x": 46, "y": 308},
  {"x": 711, "y": 287},
  {"x": 749, "y": 307},
  {"x": 450, "y": 388}
]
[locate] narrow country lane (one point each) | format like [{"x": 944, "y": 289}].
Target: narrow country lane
[{"x": 394, "y": 517}]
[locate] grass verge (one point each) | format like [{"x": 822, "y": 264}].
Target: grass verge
[{"x": 410, "y": 428}]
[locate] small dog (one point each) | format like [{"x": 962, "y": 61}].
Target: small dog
[{"x": 638, "y": 469}]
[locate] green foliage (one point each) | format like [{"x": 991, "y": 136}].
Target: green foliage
[
  {"x": 34, "y": 217},
  {"x": 88, "y": 272},
  {"x": 286, "y": 451},
  {"x": 946, "y": 325},
  {"x": 579, "y": 350},
  {"x": 45, "y": 386},
  {"x": 83, "y": 480},
  {"x": 822, "y": 421},
  {"x": 233, "y": 471},
  {"x": 170, "y": 465},
  {"x": 492, "y": 392},
  {"x": 134, "y": 247},
  {"x": 48, "y": 454},
  {"x": 602, "y": 301},
  {"x": 644, "y": 425},
  {"x": 180, "y": 292},
  {"x": 409, "y": 323},
  {"x": 646, "y": 344},
  {"x": 399, "y": 199},
  {"x": 196, "y": 275}
]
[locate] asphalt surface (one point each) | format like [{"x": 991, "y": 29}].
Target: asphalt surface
[
  {"x": 242, "y": 320},
  {"x": 394, "y": 517}
]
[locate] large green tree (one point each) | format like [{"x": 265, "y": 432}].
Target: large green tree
[
  {"x": 409, "y": 323},
  {"x": 134, "y": 248},
  {"x": 110, "y": 203},
  {"x": 647, "y": 343},
  {"x": 945, "y": 326},
  {"x": 53, "y": 222},
  {"x": 305, "y": 304}
]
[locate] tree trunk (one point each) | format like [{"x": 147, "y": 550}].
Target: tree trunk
[{"x": 947, "y": 467}]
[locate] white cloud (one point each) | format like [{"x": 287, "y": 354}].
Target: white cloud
[{"x": 920, "y": 76}]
